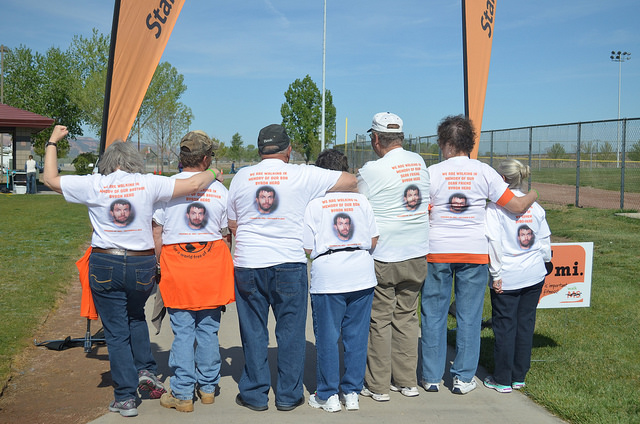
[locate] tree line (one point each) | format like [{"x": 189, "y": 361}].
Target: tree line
[{"x": 69, "y": 86}]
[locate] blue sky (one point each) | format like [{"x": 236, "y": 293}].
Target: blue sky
[{"x": 550, "y": 60}]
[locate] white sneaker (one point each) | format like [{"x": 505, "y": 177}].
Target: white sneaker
[
  {"x": 406, "y": 391},
  {"x": 330, "y": 405},
  {"x": 378, "y": 397},
  {"x": 431, "y": 387},
  {"x": 461, "y": 388},
  {"x": 350, "y": 401}
]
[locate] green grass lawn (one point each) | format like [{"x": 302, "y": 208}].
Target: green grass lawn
[
  {"x": 41, "y": 237},
  {"x": 603, "y": 178},
  {"x": 586, "y": 365}
]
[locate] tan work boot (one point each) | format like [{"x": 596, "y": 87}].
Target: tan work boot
[
  {"x": 169, "y": 401},
  {"x": 207, "y": 398}
]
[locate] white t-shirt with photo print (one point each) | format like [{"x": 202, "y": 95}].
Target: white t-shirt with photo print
[
  {"x": 120, "y": 206},
  {"x": 338, "y": 221},
  {"x": 196, "y": 217},
  {"x": 268, "y": 201}
]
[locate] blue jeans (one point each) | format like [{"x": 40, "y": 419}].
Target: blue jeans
[
  {"x": 513, "y": 321},
  {"x": 31, "y": 183},
  {"x": 203, "y": 366},
  {"x": 470, "y": 283},
  {"x": 284, "y": 288},
  {"x": 120, "y": 287},
  {"x": 333, "y": 314}
]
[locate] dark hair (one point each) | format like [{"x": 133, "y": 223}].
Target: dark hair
[
  {"x": 388, "y": 139},
  {"x": 341, "y": 215},
  {"x": 411, "y": 187},
  {"x": 196, "y": 205},
  {"x": 120, "y": 202},
  {"x": 524, "y": 227},
  {"x": 193, "y": 159},
  {"x": 265, "y": 188},
  {"x": 332, "y": 159},
  {"x": 458, "y": 132}
]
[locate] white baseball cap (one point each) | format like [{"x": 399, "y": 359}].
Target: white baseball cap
[{"x": 386, "y": 122}]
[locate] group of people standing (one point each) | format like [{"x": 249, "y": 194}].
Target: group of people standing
[{"x": 379, "y": 242}]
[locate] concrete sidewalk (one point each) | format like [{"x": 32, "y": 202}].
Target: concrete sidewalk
[{"x": 479, "y": 406}]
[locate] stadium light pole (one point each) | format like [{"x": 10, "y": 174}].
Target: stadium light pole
[
  {"x": 324, "y": 50},
  {"x": 619, "y": 57}
]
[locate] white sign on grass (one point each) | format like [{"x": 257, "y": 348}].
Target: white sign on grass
[{"x": 569, "y": 283}]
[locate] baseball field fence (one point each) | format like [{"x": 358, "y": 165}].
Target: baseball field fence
[{"x": 593, "y": 164}]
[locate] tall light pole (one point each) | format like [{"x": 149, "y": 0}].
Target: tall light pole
[
  {"x": 619, "y": 57},
  {"x": 324, "y": 49}
]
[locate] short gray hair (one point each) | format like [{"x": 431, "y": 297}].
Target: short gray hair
[
  {"x": 123, "y": 156},
  {"x": 387, "y": 139}
]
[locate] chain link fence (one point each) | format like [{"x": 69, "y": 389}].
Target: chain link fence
[{"x": 592, "y": 164}]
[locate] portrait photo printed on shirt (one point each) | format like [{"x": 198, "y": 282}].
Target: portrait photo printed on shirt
[
  {"x": 266, "y": 199},
  {"x": 343, "y": 226},
  {"x": 196, "y": 216},
  {"x": 121, "y": 212},
  {"x": 525, "y": 237},
  {"x": 412, "y": 198},
  {"x": 458, "y": 203}
]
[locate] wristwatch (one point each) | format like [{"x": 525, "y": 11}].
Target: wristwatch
[{"x": 49, "y": 143}]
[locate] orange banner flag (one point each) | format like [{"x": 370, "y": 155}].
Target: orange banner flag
[
  {"x": 141, "y": 30},
  {"x": 478, "y": 23}
]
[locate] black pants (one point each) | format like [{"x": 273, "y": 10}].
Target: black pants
[{"x": 513, "y": 320}]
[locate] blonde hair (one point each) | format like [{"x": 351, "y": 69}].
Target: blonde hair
[{"x": 515, "y": 173}]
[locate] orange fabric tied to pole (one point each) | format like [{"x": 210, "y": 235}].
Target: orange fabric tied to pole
[{"x": 87, "y": 308}]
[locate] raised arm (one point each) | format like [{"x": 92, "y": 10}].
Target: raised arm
[{"x": 50, "y": 175}]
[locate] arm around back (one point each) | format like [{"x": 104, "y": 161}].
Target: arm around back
[
  {"x": 520, "y": 205},
  {"x": 347, "y": 182},
  {"x": 197, "y": 182}
]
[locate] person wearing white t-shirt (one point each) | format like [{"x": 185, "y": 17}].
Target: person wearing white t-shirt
[
  {"x": 31, "y": 168},
  {"x": 458, "y": 249},
  {"x": 197, "y": 276},
  {"x": 397, "y": 186},
  {"x": 122, "y": 262},
  {"x": 519, "y": 247},
  {"x": 271, "y": 265},
  {"x": 339, "y": 232}
]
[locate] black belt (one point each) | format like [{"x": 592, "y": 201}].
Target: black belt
[
  {"x": 344, "y": 249},
  {"x": 123, "y": 252}
]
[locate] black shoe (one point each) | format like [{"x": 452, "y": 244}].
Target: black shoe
[
  {"x": 290, "y": 407},
  {"x": 241, "y": 402}
]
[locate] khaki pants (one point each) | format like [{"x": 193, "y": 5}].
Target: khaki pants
[{"x": 393, "y": 333}]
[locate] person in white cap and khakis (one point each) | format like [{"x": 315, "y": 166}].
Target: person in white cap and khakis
[{"x": 400, "y": 259}]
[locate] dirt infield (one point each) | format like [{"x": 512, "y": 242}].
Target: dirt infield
[{"x": 587, "y": 197}]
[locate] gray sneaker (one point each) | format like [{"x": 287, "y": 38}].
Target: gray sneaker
[
  {"x": 148, "y": 382},
  {"x": 126, "y": 408}
]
